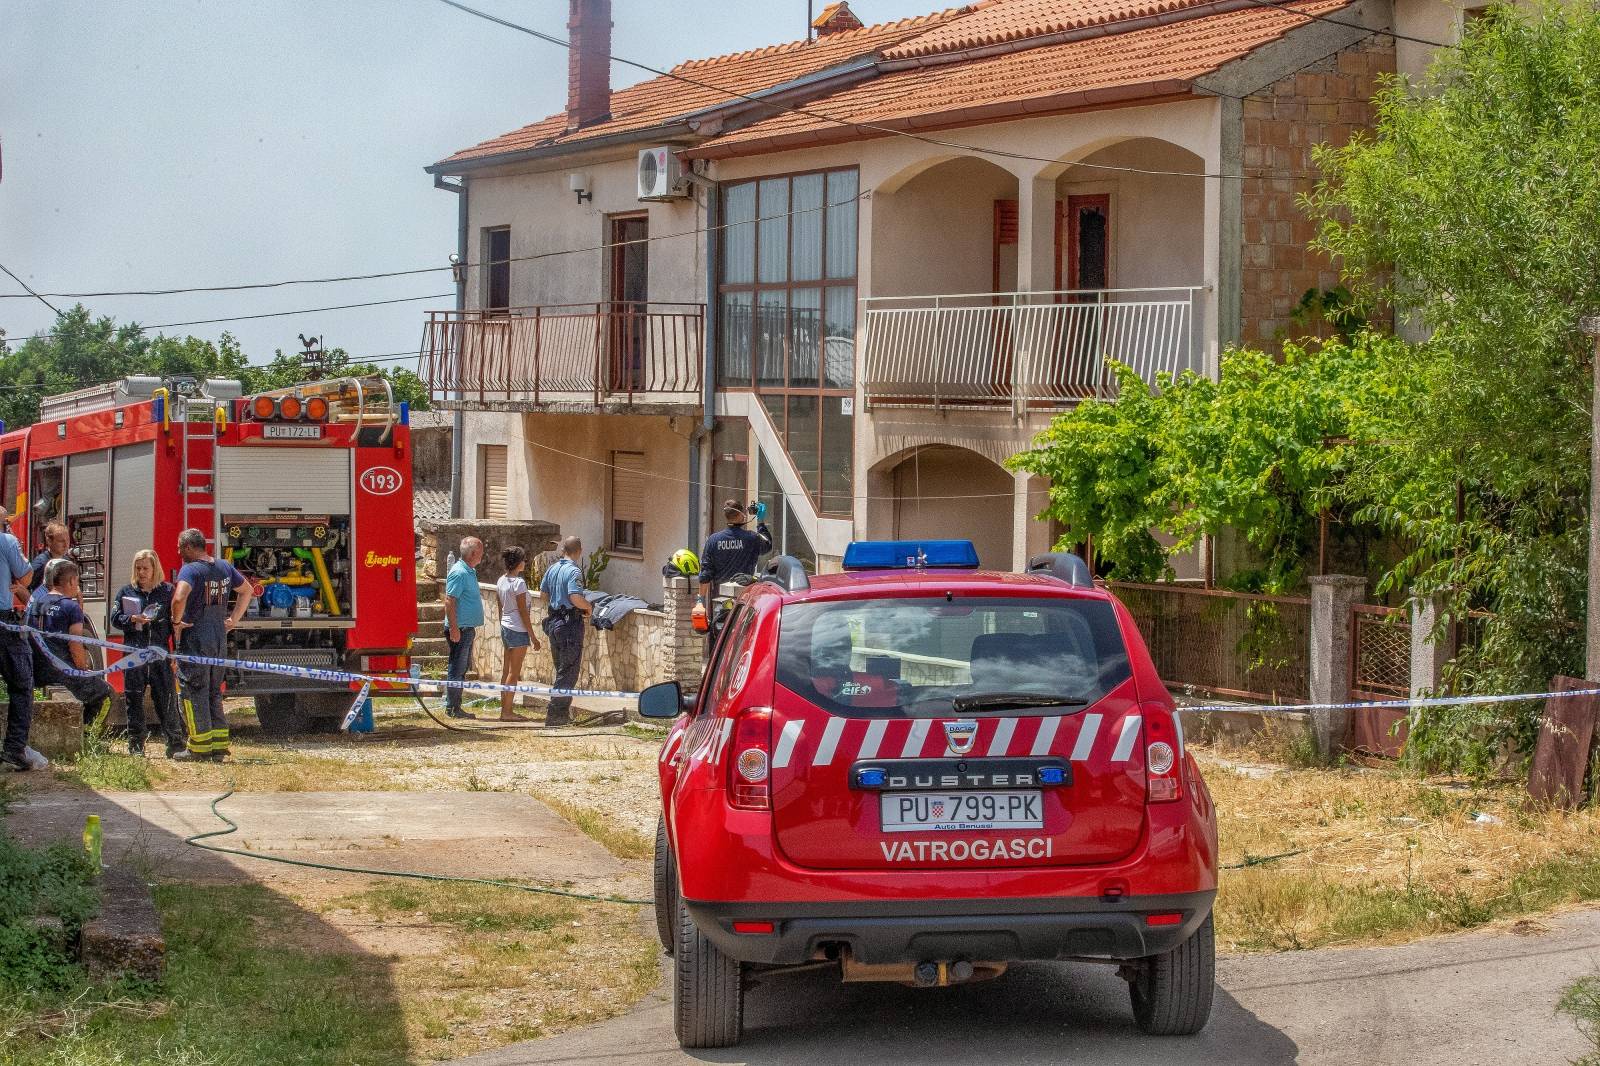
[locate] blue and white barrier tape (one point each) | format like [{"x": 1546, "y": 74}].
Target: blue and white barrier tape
[{"x": 305, "y": 673}]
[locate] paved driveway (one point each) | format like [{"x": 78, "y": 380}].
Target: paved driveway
[{"x": 1479, "y": 998}]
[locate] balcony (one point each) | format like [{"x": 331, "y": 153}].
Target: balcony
[
  {"x": 566, "y": 357},
  {"x": 1025, "y": 350}
]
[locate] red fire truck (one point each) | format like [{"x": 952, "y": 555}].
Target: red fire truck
[{"x": 307, "y": 490}]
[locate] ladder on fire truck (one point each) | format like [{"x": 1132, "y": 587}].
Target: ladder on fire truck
[{"x": 197, "y": 442}]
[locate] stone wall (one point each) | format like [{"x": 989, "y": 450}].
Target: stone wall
[
  {"x": 430, "y": 456},
  {"x": 645, "y": 647},
  {"x": 1324, "y": 103},
  {"x": 440, "y": 538}
]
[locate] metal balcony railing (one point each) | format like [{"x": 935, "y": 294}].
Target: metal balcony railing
[
  {"x": 567, "y": 353},
  {"x": 1025, "y": 348}
]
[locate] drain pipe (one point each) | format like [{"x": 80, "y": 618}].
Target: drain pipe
[
  {"x": 458, "y": 418},
  {"x": 700, "y": 441}
]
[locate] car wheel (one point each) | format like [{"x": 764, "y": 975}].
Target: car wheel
[
  {"x": 707, "y": 990},
  {"x": 1172, "y": 991},
  {"x": 666, "y": 875}
]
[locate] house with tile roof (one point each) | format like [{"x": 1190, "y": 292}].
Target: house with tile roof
[{"x": 851, "y": 275}]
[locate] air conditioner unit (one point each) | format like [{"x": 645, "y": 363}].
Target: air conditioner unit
[{"x": 660, "y": 175}]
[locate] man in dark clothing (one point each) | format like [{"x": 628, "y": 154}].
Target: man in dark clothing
[
  {"x": 16, "y": 655},
  {"x": 731, "y": 552},
  {"x": 56, "y": 543},
  {"x": 143, "y": 611},
  {"x": 58, "y": 612},
  {"x": 203, "y": 621},
  {"x": 566, "y": 604}
]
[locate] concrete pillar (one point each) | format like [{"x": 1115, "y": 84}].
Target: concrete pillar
[
  {"x": 688, "y": 647},
  {"x": 1428, "y": 654},
  {"x": 1029, "y": 536},
  {"x": 1036, "y": 269},
  {"x": 1331, "y": 597}
]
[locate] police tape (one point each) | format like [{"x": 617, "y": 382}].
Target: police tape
[{"x": 145, "y": 656}]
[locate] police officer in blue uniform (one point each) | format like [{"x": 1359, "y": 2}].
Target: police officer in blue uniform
[
  {"x": 16, "y": 656},
  {"x": 731, "y": 552},
  {"x": 567, "y": 605}
]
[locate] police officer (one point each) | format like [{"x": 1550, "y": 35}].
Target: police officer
[
  {"x": 567, "y": 605},
  {"x": 731, "y": 552},
  {"x": 16, "y": 656},
  {"x": 200, "y": 615}
]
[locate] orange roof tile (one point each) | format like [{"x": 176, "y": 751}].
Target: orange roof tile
[
  {"x": 662, "y": 100},
  {"x": 995, "y": 22},
  {"x": 1139, "y": 63}
]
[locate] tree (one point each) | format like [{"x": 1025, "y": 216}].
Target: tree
[{"x": 1472, "y": 208}]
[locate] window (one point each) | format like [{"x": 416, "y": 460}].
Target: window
[
  {"x": 715, "y": 680},
  {"x": 491, "y": 481},
  {"x": 10, "y": 480},
  {"x": 788, "y": 316},
  {"x": 627, "y": 503},
  {"x": 497, "y": 273}
]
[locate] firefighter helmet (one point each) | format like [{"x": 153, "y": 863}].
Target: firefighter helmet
[{"x": 686, "y": 562}]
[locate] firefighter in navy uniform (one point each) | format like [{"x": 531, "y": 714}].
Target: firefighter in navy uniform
[
  {"x": 730, "y": 553},
  {"x": 203, "y": 620}
]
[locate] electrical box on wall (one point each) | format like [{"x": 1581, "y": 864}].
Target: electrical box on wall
[{"x": 661, "y": 175}]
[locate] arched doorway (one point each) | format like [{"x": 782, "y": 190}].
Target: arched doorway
[{"x": 944, "y": 492}]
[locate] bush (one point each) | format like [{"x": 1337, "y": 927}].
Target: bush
[
  {"x": 1582, "y": 1004},
  {"x": 49, "y": 894}
]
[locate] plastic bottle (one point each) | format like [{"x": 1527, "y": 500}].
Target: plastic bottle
[{"x": 92, "y": 839}]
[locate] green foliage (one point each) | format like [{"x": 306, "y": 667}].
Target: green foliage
[
  {"x": 1336, "y": 307},
  {"x": 1472, "y": 210},
  {"x": 593, "y": 567},
  {"x": 103, "y": 767},
  {"x": 54, "y": 883},
  {"x": 81, "y": 350},
  {"x": 1260, "y": 452},
  {"x": 1581, "y": 1003}
]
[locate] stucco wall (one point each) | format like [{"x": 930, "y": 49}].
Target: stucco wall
[
  {"x": 940, "y": 227},
  {"x": 1157, "y": 221},
  {"x": 1323, "y": 104},
  {"x": 922, "y": 478}
]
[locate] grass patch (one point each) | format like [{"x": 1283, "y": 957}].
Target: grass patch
[
  {"x": 49, "y": 893},
  {"x": 1386, "y": 857},
  {"x": 506, "y": 965},
  {"x": 1581, "y": 1003},
  {"x": 620, "y": 840},
  {"x": 102, "y": 767}
]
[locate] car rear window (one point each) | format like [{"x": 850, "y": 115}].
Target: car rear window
[{"x": 913, "y": 656}]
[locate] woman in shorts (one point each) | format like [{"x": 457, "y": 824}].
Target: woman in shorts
[{"x": 516, "y": 627}]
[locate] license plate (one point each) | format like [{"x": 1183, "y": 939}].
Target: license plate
[
  {"x": 280, "y": 432},
  {"x": 933, "y": 812}
]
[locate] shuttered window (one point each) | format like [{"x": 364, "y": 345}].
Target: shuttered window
[
  {"x": 627, "y": 503},
  {"x": 491, "y": 481}
]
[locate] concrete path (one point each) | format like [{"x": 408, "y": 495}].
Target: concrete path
[
  {"x": 475, "y": 834},
  {"x": 1481, "y": 998}
]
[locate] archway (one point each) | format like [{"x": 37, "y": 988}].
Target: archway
[{"x": 943, "y": 492}]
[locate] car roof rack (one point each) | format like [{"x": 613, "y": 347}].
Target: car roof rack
[
  {"x": 788, "y": 573},
  {"x": 1063, "y": 566}
]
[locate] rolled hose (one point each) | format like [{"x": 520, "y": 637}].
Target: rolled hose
[{"x": 195, "y": 842}]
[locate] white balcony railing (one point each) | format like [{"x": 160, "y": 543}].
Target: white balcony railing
[{"x": 1025, "y": 348}]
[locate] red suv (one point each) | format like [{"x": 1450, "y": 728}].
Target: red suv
[{"x": 922, "y": 772}]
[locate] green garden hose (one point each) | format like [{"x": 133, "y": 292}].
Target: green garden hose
[{"x": 195, "y": 841}]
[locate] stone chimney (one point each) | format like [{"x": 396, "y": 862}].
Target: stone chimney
[
  {"x": 589, "y": 63},
  {"x": 835, "y": 18}
]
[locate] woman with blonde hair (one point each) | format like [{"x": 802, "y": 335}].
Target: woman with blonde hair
[{"x": 143, "y": 611}]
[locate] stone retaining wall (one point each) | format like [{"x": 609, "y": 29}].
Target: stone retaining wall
[{"x": 440, "y": 538}]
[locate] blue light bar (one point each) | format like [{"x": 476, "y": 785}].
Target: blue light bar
[
  {"x": 911, "y": 555},
  {"x": 1051, "y": 775},
  {"x": 872, "y": 778}
]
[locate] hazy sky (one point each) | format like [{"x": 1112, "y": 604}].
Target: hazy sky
[{"x": 162, "y": 143}]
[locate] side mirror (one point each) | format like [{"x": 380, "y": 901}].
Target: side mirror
[{"x": 661, "y": 701}]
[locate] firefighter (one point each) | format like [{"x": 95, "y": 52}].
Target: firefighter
[
  {"x": 143, "y": 611},
  {"x": 59, "y": 613},
  {"x": 56, "y": 543},
  {"x": 566, "y": 604},
  {"x": 16, "y": 657},
  {"x": 201, "y": 617},
  {"x": 731, "y": 552}
]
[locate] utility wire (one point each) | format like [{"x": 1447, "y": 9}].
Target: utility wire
[
  {"x": 31, "y": 293},
  {"x": 1353, "y": 25}
]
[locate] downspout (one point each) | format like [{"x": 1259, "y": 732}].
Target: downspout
[
  {"x": 699, "y": 442},
  {"x": 458, "y": 418}
]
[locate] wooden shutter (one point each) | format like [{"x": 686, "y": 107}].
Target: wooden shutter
[
  {"x": 627, "y": 487},
  {"x": 491, "y": 481}
]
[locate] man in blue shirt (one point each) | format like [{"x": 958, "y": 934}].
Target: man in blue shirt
[
  {"x": 58, "y": 612},
  {"x": 202, "y": 618},
  {"x": 463, "y": 614},
  {"x": 566, "y": 605},
  {"x": 16, "y": 657}
]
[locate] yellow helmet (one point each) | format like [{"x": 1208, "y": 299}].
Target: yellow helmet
[{"x": 686, "y": 562}]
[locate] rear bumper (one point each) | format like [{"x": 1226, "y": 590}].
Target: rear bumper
[{"x": 978, "y": 930}]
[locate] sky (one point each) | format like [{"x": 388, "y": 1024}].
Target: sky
[{"x": 174, "y": 143}]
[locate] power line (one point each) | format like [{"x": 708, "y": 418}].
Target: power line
[
  {"x": 24, "y": 284},
  {"x": 1353, "y": 25}
]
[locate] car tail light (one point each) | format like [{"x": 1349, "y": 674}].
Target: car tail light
[
  {"x": 1163, "y": 755},
  {"x": 752, "y": 927},
  {"x": 1163, "y": 919},
  {"x": 750, "y": 761}
]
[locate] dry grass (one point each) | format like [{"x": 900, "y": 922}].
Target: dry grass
[
  {"x": 1386, "y": 857},
  {"x": 600, "y": 825},
  {"x": 481, "y": 967}
]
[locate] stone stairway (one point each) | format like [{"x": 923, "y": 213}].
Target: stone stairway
[{"x": 428, "y": 651}]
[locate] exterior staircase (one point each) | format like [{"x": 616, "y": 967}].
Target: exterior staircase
[{"x": 429, "y": 651}]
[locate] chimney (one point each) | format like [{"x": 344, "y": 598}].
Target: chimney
[
  {"x": 588, "y": 63},
  {"x": 835, "y": 18}
]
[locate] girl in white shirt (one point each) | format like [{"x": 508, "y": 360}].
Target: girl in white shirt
[{"x": 516, "y": 626}]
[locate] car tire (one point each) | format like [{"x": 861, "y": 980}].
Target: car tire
[
  {"x": 707, "y": 989},
  {"x": 1172, "y": 991},
  {"x": 666, "y": 878}
]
